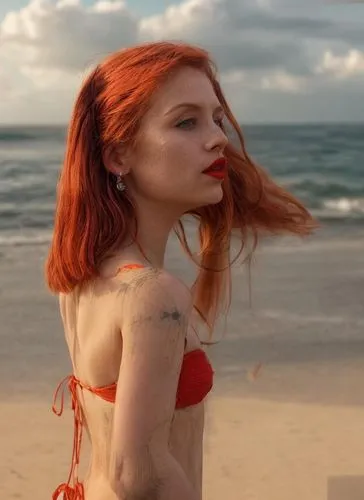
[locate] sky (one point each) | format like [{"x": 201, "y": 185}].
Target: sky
[{"x": 280, "y": 61}]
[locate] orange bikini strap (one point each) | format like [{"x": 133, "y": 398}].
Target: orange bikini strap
[
  {"x": 72, "y": 489},
  {"x": 129, "y": 266}
]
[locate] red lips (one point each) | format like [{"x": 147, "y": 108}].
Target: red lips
[{"x": 217, "y": 168}]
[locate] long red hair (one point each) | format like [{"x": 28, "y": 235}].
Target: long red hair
[{"x": 92, "y": 218}]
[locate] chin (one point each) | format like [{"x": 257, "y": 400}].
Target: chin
[{"x": 211, "y": 196}]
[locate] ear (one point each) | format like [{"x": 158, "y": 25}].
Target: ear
[{"x": 114, "y": 159}]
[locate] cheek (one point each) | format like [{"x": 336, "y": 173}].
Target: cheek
[
  {"x": 153, "y": 149},
  {"x": 180, "y": 151},
  {"x": 164, "y": 153},
  {"x": 167, "y": 158}
]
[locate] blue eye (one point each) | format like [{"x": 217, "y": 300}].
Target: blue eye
[
  {"x": 186, "y": 123},
  {"x": 190, "y": 122}
]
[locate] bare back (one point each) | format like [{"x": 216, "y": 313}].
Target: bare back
[{"x": 95, "y": 341}]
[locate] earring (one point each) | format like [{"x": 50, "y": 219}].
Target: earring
[{"x": 120, "y": 185}]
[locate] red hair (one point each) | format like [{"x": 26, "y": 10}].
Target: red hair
[{"x": 92, "y": 218}]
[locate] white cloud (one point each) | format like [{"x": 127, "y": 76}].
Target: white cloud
[
  {"x": 66, "y": 35},
  {"x": 186, "y": 19},
  {"x": 282, "y": 81},
  {"x": 46, "y": 48},
  {"x": 342, "y": 67},
  {"x": 277, "y": 81},
  {"x": 5, "y": 83},
  {"x": 234, "y": 76}
]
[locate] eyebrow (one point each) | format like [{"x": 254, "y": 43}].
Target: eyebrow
[{"x": 193, "y": 106}]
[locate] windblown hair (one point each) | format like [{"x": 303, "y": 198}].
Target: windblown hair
[{"x": 92, "y": 218}]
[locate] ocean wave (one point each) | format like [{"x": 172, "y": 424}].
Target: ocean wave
[
  {"x": 10, "y": 136},
  {"x": 346, "y": 205},
  {"x": 27, "y": 134},
  {"x": 340, "y": 210},
  {"x": 8, "y": 239},
  {"x": 315, "y": 190},
  {"x": 18, "y": 215}
]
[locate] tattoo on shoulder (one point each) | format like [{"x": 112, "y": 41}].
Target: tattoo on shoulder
[
  {"x": 123, "y": 288},
  {"x": 138, "y": 281},
  {"x": 173, "y": 315},
  {"x": 145, "y": 276}
]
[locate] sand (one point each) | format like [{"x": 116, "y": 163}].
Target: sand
[{"x": 286, "y": 417}]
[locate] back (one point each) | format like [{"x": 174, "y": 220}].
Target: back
[
  {"x": 94, "y": 340},
  {"x": 131, "y": 329}
]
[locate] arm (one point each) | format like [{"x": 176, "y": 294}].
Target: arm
[{"x": 154, "y": 314}]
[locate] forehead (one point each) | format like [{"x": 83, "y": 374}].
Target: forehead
[{"x": 185, "y": 85}]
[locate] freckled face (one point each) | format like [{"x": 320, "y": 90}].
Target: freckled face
[{"x": 176, "y": 143}]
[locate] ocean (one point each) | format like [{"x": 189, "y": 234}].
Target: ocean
[{"x": 323, "y": 165}]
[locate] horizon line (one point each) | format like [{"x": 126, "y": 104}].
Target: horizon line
[{"x": 242, "y": 124}]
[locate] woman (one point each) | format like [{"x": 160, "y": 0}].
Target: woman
[{"x": 147, "y": 145}]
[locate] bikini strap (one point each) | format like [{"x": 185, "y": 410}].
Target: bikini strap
[
  {"x": 72, "y": 489},
  {"x": 129, "y": 266}
]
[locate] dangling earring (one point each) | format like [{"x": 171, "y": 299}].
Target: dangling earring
[{"x": 120, "y": 185}]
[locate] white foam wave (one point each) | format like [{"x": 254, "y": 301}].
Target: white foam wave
[
  {"x": 24, "y": 239},
  {"x": 345, "y": 206}
]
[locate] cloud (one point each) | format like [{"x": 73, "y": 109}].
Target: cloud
[
  {"x": 288, "y": 23},
  {"x": 5, "y": 84},
  {"x": 66, "y": 35},
  {"x": 261, "y": 48},
  {"x": 191, "y": 15},
  {"x": 281, "y": 80},
  {"x": 342, "y": 66},
  {"x": 47, "y": 47},
  {"x": 229, "y": 28}
]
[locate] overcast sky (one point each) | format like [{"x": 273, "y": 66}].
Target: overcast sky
[{"x": 279, "y": 61}]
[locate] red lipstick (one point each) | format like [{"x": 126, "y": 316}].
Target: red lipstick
[{"x": 217, "y": 169}]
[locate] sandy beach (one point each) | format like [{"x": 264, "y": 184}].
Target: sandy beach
[{"x": 285, "y": 419}]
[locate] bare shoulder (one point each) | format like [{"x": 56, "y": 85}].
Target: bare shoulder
[{"x": 154, "y": 294}]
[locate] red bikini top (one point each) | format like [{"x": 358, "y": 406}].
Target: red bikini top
[{"x": 195, "y": 382}]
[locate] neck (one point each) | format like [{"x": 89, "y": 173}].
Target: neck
[{"x": 154, "y": 228}]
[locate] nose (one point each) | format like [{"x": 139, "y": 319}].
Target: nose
[{"x": 217, "y": 138}]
